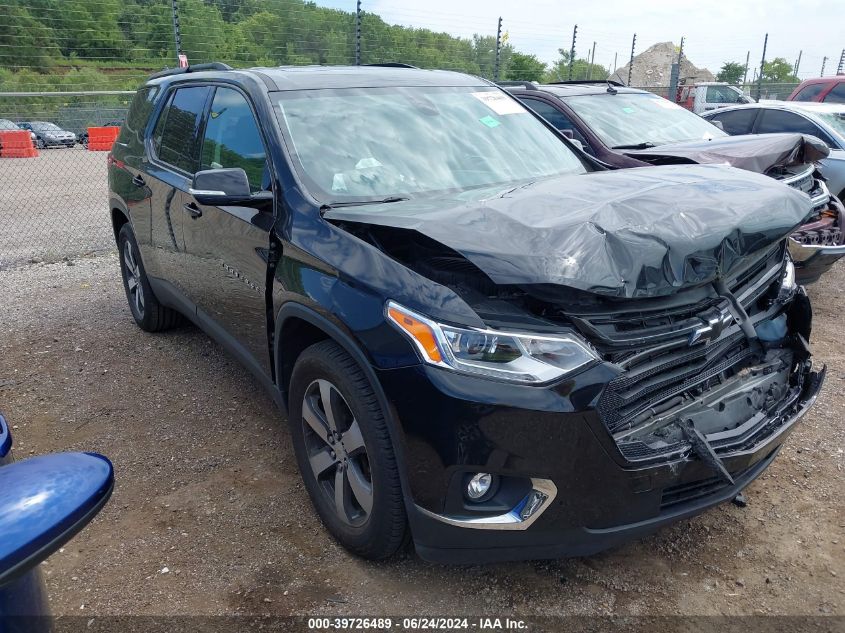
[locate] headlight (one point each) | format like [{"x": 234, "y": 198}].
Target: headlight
[
  {"x": 787, "y": 282},
  {"x": 505, "y": 355}
]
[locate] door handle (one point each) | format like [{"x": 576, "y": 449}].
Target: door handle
[
  {"x": 138, "y": 181},
  {"x": 194, "y": 211}
]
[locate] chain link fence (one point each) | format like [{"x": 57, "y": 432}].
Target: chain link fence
[{"x": 76, "y": 63}]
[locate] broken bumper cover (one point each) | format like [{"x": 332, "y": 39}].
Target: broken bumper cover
[
  {"x": 814, "y": 259},
  {"x": 593, "y": 498}
]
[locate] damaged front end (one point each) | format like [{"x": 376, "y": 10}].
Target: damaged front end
[
  {"x": 718, "y": 373},
  {"x": 789, "y": 158}
]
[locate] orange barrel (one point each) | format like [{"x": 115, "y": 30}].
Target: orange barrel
[
  {"x": 17, "y": 144},
  {"x": 100, "y": 139}
]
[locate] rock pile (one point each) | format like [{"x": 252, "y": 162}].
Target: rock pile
[{"x": 653, "y": 68}]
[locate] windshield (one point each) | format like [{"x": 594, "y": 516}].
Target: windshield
[
  {"x": 724, "y": 94},
  {"x": 353, "y": 144},
  {"x": 5, "y": 124},
  {"x": 635, "y": 118},
  {"x": 45, "y": 126}
]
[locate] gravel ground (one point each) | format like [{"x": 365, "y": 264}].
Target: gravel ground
[
  {"x": 209, "y": 516},
  {"x": 52, "y": 206}
]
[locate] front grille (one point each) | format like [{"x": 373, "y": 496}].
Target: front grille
[
  {"x": 653, "y": 347},
  {"x": 806, "y": 181}
]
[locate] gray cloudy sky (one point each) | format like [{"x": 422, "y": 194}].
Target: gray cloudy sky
[{"x": 716, "y": 30}]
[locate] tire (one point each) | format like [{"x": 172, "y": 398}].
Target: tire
[
  {"x": 148, "y": 313},
  {"x": 373, "y": 527}
]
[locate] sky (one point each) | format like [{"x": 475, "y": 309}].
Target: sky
[{"x": 715, "y": 31}]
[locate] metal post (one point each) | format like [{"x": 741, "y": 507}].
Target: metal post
[
  {"x": 762, "y": 69},
  {"x": 358, "y": 34},
  {"x": 615, "y": 56},
  {"x": 675, "y": 74},
  {"x": 572, "y": 51},
  {"x": 631, "y": 63},
  {"x": 797, "y": 63},
  {"x": 177, "y": 35},
  {"x": 592, "y": 59},
  {"x": 745, "y": 75},
  {"x": 498, "y": 50},
  {"x": 824, "y": 61},
  {"x": 841, "y": 68}
]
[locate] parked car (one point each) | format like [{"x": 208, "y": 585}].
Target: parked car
[
  {"x": 82, "y": 137},
  {"x": 480, "y": 335},
  {"x": 49, "y": 134},
  {"x": 9, "y": 126},
  {"x": 709, "y": 95},
  {"x": 821, "y": 89},
  {"x": 44, "y": 502},
  {"x": 824, "y": 121},
  {"x": 625, "y": 127}
]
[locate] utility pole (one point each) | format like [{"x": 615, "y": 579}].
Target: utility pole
[
  {"x": 824, "y": 61},
  {"x": 358, "y": 34},
  {"x": 498, "y": 50},
  {"x": 797, "y": 63},
  {"x": 675, "y": 74},
  {"x": 572, "y": 50},
  {"x": 592, "y": 60},
  {"x": 840, "y": 70},
  {"x": 613, "y": 70},
  {"x": 762, "y": 69},
  {"x": 745, "y": 76},
  {"x": 177, "y": 35},
  {"x": 631, "y": 63}
]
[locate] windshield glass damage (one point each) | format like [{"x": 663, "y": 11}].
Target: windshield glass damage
[{"x": 409, "y": 142}]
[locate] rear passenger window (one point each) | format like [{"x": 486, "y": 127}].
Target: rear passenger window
[
  {"x": 782, "y": 121},
  {"x": 837, "y": 95},
  {"x": 140, "y": 109},
  {"x": 176, "y": 137},
  {"x": 808, "y": 93},
  {"x": 736, "y": 121},
  {"x": 232, "y": 138}
]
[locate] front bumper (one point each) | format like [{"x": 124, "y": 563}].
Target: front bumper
[
  {"x": 455, "y": 425},
  {"x": 813, "y": 260}
]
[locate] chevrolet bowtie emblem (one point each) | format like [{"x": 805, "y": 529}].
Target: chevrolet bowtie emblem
[{"x": 715, "y": 321}]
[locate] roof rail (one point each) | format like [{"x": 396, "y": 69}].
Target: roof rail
[
  {"x": 612, "y": 82},
  {"x": 391, "y": 65},
  {"x": 195, "y": 68},
  {"x": 529, "y": 85}
]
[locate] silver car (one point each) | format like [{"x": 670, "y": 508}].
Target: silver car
[{"x": 823, "y": 120}]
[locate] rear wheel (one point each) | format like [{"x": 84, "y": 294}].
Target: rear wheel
[
  {"x": 148, "y": 313},
  {"x": 344, "y": 452}
]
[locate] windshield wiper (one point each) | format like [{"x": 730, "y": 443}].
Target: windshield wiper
[
  {"x": 643, "y": 145},
  {"x": 354, "y": 203}
]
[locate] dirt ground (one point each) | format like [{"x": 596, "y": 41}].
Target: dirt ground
[{"x": 209, "y": 516}]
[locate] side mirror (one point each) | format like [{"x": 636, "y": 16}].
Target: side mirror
[
  {"x": 44, "y": 502},
  {"x": 718, "y": 124},
  {"x": 220, "y": 187}
]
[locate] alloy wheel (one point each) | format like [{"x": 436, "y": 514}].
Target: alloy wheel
[
  {"x": 133, "y": 279},
  {"x": 336, "y": 452}
]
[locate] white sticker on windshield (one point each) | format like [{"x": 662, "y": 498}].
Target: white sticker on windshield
[
  {"x": 500, "y": 103},
  {"x": 664, "y": 103}
]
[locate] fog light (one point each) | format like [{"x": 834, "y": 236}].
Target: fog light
[{"x": 479, "y": 486}]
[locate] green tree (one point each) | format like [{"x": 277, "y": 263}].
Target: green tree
[
  {"x": 581, "y": 69},
  {"x": 778, "y": 71},
  {"x": 731, "y": 72},
  {"x": 524, "y": 67}
]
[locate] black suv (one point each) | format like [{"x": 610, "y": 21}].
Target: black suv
[{"x": 481, "y": 337}]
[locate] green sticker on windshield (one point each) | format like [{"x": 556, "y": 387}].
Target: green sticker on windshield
[
  {"x": 628, "y": 110},
  {"x": 490, "y": 121}
]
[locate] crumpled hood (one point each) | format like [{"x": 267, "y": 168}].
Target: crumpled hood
[
  {"x": 758, "y": 152},
  {"x": 627, "y": 233}
]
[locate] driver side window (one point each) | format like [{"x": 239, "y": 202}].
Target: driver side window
[{"x": 232, "y": 138}]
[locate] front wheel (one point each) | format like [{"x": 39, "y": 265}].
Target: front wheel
[{"x": 344, "y": 452}]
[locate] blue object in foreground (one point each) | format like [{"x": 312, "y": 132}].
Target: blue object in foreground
[{"x": 44, "y": 502}]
